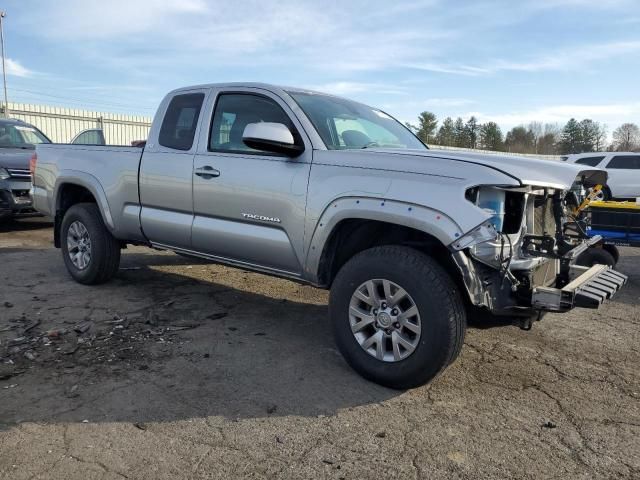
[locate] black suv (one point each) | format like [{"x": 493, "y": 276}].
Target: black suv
[{"x": 17, "y": 146}]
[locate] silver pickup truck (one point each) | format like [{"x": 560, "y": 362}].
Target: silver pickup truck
[{"x": 336, "y": 194}]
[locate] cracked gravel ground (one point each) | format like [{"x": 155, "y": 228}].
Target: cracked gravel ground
[{"x": 192, "y": 370}]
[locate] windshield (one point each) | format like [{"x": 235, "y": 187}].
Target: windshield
[
  {"x": 343, "y": 124},
  {"x": 20, "y": 136}
]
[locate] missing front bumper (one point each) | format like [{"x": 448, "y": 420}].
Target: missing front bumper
[{"x": 588, "y": 290}]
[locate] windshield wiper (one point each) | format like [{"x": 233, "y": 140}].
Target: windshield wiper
[{"x": 371, "y": 144}]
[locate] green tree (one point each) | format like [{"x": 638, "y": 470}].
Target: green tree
[
  {"x": 446, "y": 133},
  {"x": 427, "y": 125},
  {"x": 589, "y": 135},
  {"x": 459, "y": 133},
  {"x": 547, "y": 144},
  {"x": 472, "y": 130},
  {"x": 491, "y": 137},
  {"x": 520, "y": 140},
  {"x": 571, "y": 140}
]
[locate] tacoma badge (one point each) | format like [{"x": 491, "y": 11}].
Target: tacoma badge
[{"x": 253, "y": 216}]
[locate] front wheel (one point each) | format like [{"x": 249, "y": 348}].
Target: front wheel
[
  {"x": 90, "y": 253},
  {"x": 397, "y": 316},
  {"x": 603, "y": 195}
]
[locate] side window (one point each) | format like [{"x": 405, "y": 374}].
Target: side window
[
  {"x": 234, "y": 111},
  {"x": 591, "y": 161},
  {"x": 179, "y": 124},
  {"x": 627, "y": 162}
]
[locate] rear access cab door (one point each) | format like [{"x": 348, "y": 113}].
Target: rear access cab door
[
  {"x": 166, "y": 170},
  {"x": 249, "y": 205}
]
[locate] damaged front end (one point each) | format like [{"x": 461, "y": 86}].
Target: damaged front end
[{"x": 520, "y": 261}]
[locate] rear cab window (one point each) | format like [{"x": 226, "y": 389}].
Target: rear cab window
[
  {"x": 90, "y": 137},
  {"x": 625, "y": 162},
  {"x": 180, "y": 121}
]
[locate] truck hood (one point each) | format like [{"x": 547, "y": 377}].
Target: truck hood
[
  {"x": 15, "y": 157},
  {"x": 527, "y": 170}
]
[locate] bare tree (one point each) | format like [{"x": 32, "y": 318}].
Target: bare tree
[
  {"x": 537, "y": 131},
  {"x": 600, "y": 143},
  {"x": 626, "y": 137},
  {"x": 547, "y": 144}
]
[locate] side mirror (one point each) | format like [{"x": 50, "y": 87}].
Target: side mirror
[{"x": 271, "y": 137}]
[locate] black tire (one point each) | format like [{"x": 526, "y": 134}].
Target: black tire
[
  {"x": 613, "y": 250},
  {"x": 105, "y": 249},
  {"x": 595, "y": 256},
  {"x": 436, "y": 296}
]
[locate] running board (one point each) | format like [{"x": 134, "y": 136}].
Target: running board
[{"x": 588, "y": 290}]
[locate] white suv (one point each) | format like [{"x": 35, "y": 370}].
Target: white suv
[{"x": 623, "y": 169}]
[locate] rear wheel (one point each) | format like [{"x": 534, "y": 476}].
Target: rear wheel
[
  {"x": 397, "y": 317},
  {"x": 90, "y": 253}
]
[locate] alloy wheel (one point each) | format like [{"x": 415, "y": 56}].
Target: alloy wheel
[
  {"x": 385, "y": 320},
  {"x": 79, "y": 245}
]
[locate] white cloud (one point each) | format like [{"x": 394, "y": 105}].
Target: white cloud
[
  {"x": 341, "y": 37},
  {"x": 446, "y": 102},
  {"x": 361, "y": 48},
  {"x": 16, "y": 69},
  {"x": 351, "y": 88},
  {"x": 331, "y": 36},
  {"x": 467, "y": 70},
  {"x": 567, "y": 59},
  {"x": 97, "y": 19},
  {"x": 563, "y": 60}
]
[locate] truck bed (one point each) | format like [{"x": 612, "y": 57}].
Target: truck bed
[{"x": 109, "y": 172}]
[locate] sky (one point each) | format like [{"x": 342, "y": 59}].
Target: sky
[{"x": 509, "y": 61}]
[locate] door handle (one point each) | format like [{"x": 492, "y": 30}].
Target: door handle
[{"x": 207, "y": 172}]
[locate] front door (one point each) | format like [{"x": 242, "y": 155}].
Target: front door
[
  {"x": 166, "y": 173},
  {"x": 249, "y": 205}
]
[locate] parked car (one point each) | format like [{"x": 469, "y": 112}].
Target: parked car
[
  {"x": 336, "y": 194},
  {"x": 17, "y": 144},
  {"x": 90, "y": 136},
  {"x": 623, "y": 169}
]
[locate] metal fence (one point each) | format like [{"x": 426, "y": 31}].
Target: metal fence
[{"x": 62, "y": 124}]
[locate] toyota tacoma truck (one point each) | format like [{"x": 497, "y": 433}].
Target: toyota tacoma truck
[
  {"x": 17, "y": 140},
  {"x": 336, "y": 194}
]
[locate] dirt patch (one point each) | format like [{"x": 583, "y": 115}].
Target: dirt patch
[{"x": 179, "y": 369}]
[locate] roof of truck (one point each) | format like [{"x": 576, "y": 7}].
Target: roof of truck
[{"x": 265, "y": 86}]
